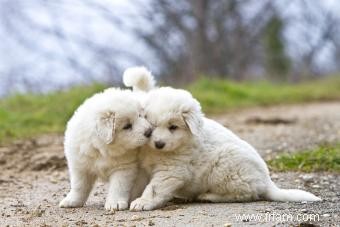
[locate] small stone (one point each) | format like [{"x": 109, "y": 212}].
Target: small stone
[
  {"x": 268, "y": 151},
  {"x": 110, "y": 212},
  {"x": 136, "y": 218},
  {"x": 53, "y": 180},
  {"x": 316, "y": 186},
  {"x": 151, "y": 223},
  {"x": 227, "y": 225},
  {"x": 81, "y": 223},
  {"x": 304, "y": 202},
  {"x": 275, "y": 176},
  {"x": 326, "y": 215},
  {"x": 307, "y": 178},
  {"x": 304, "y": 211}
]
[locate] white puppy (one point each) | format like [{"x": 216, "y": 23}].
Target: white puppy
[
  {"x": 192, "y": 157},
  {"x": 101, "y": 141}
]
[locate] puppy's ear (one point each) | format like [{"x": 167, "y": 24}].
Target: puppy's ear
[
  {"x": 193, "y": 120},
  {"x": 105, "y": 126}
]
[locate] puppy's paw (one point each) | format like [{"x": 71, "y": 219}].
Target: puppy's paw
[
  {"x": 116, "y": 205},
  {"x": 70, "y": 203},
  {"x": 142, "y": 204}
]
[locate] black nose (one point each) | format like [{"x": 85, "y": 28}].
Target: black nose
[
  {"x": 148, "y": 133},
  {"x": 159, "y": 144}
]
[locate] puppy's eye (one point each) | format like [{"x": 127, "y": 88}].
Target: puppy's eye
[
  {"x": 127, "y": 126},
  {"x": 173, "y": 127}
]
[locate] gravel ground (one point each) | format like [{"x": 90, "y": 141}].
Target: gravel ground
[
  {"x": 275, "y": 129},
  {"x": 34, "y": 178}
]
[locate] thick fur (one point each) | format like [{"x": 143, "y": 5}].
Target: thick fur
[
  {"x": 99, "y": 143},
  {"x": 139, "y": 78},
  {"x": 197, "y": 158}
]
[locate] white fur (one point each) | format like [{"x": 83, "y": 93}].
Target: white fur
[
  {"x": 201, "y": 159},
  {"x": 98, "y": 146},
  {"x": 139, "y": 78}
]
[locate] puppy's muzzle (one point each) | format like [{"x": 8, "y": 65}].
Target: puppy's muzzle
[
  {"x": 148, "y": 133},
  {"x": 159, "y": 144}
]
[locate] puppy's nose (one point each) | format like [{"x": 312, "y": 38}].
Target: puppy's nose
[
  {"x": 148, "y": 133},
  {"x": 159, "y": 144}
]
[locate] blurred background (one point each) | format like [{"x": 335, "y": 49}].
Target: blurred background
[
  {"x": 230, "y": 54},
  {"x": 50, "y": 45},
  {"x": 269, "y": 70}
]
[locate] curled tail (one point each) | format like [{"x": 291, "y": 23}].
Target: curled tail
[
  {"x": 289, "y": 195},
  {"x": 139, "y": 78}
]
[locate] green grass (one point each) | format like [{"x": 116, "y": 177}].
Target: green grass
[
  {"x": 23, "y": 116},
  {"x": 324, "y": 158},
  {"x": 218, "y": 95}
]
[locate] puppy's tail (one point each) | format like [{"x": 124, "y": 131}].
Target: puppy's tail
[
  {"x": 289, "y": 195},
  {"x": 139, "y": 78}
]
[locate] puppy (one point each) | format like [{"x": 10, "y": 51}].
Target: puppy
[
  {"x": 195, "y": 158},
  {"x": 101, "y": 141}
]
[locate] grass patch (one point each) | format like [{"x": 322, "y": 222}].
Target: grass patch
[
  {"x": 23, "y": 116},
  {"x": 324, "y": 158},
  {"x": 220, "y": 95}
]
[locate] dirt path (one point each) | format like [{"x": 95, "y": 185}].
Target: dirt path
[{"x": 34, "y": 178}]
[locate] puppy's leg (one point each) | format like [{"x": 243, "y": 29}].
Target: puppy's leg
[
  {"x": 81, "y": 185},
  {"x": 160, "y": 190},
  {"x": 120, "y": 186}
]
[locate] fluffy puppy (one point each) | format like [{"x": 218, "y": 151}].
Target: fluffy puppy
[
  {"x": 101, "y": 141},
  {"x": 192, "y": 157}
]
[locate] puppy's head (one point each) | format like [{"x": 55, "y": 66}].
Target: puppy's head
[
  {"x": 120, "y": 121},
  {"x": 175, "y": 116}
]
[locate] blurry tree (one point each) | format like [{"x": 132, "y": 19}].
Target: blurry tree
[
  {"x": 277, "y": 64},
  {"x": 49, "y": 44},
  {"x": 61, "y": 37},
  {"x": 237, "y": 39},
  {"x": 312, "y": 27},
  {"x": 215, "y": 38}
]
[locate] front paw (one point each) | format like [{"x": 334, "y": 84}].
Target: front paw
[
  {"x": 142, "y": 204},
  {"x": 69, "y": 202},
  {"x": 116, "y": 205}
]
